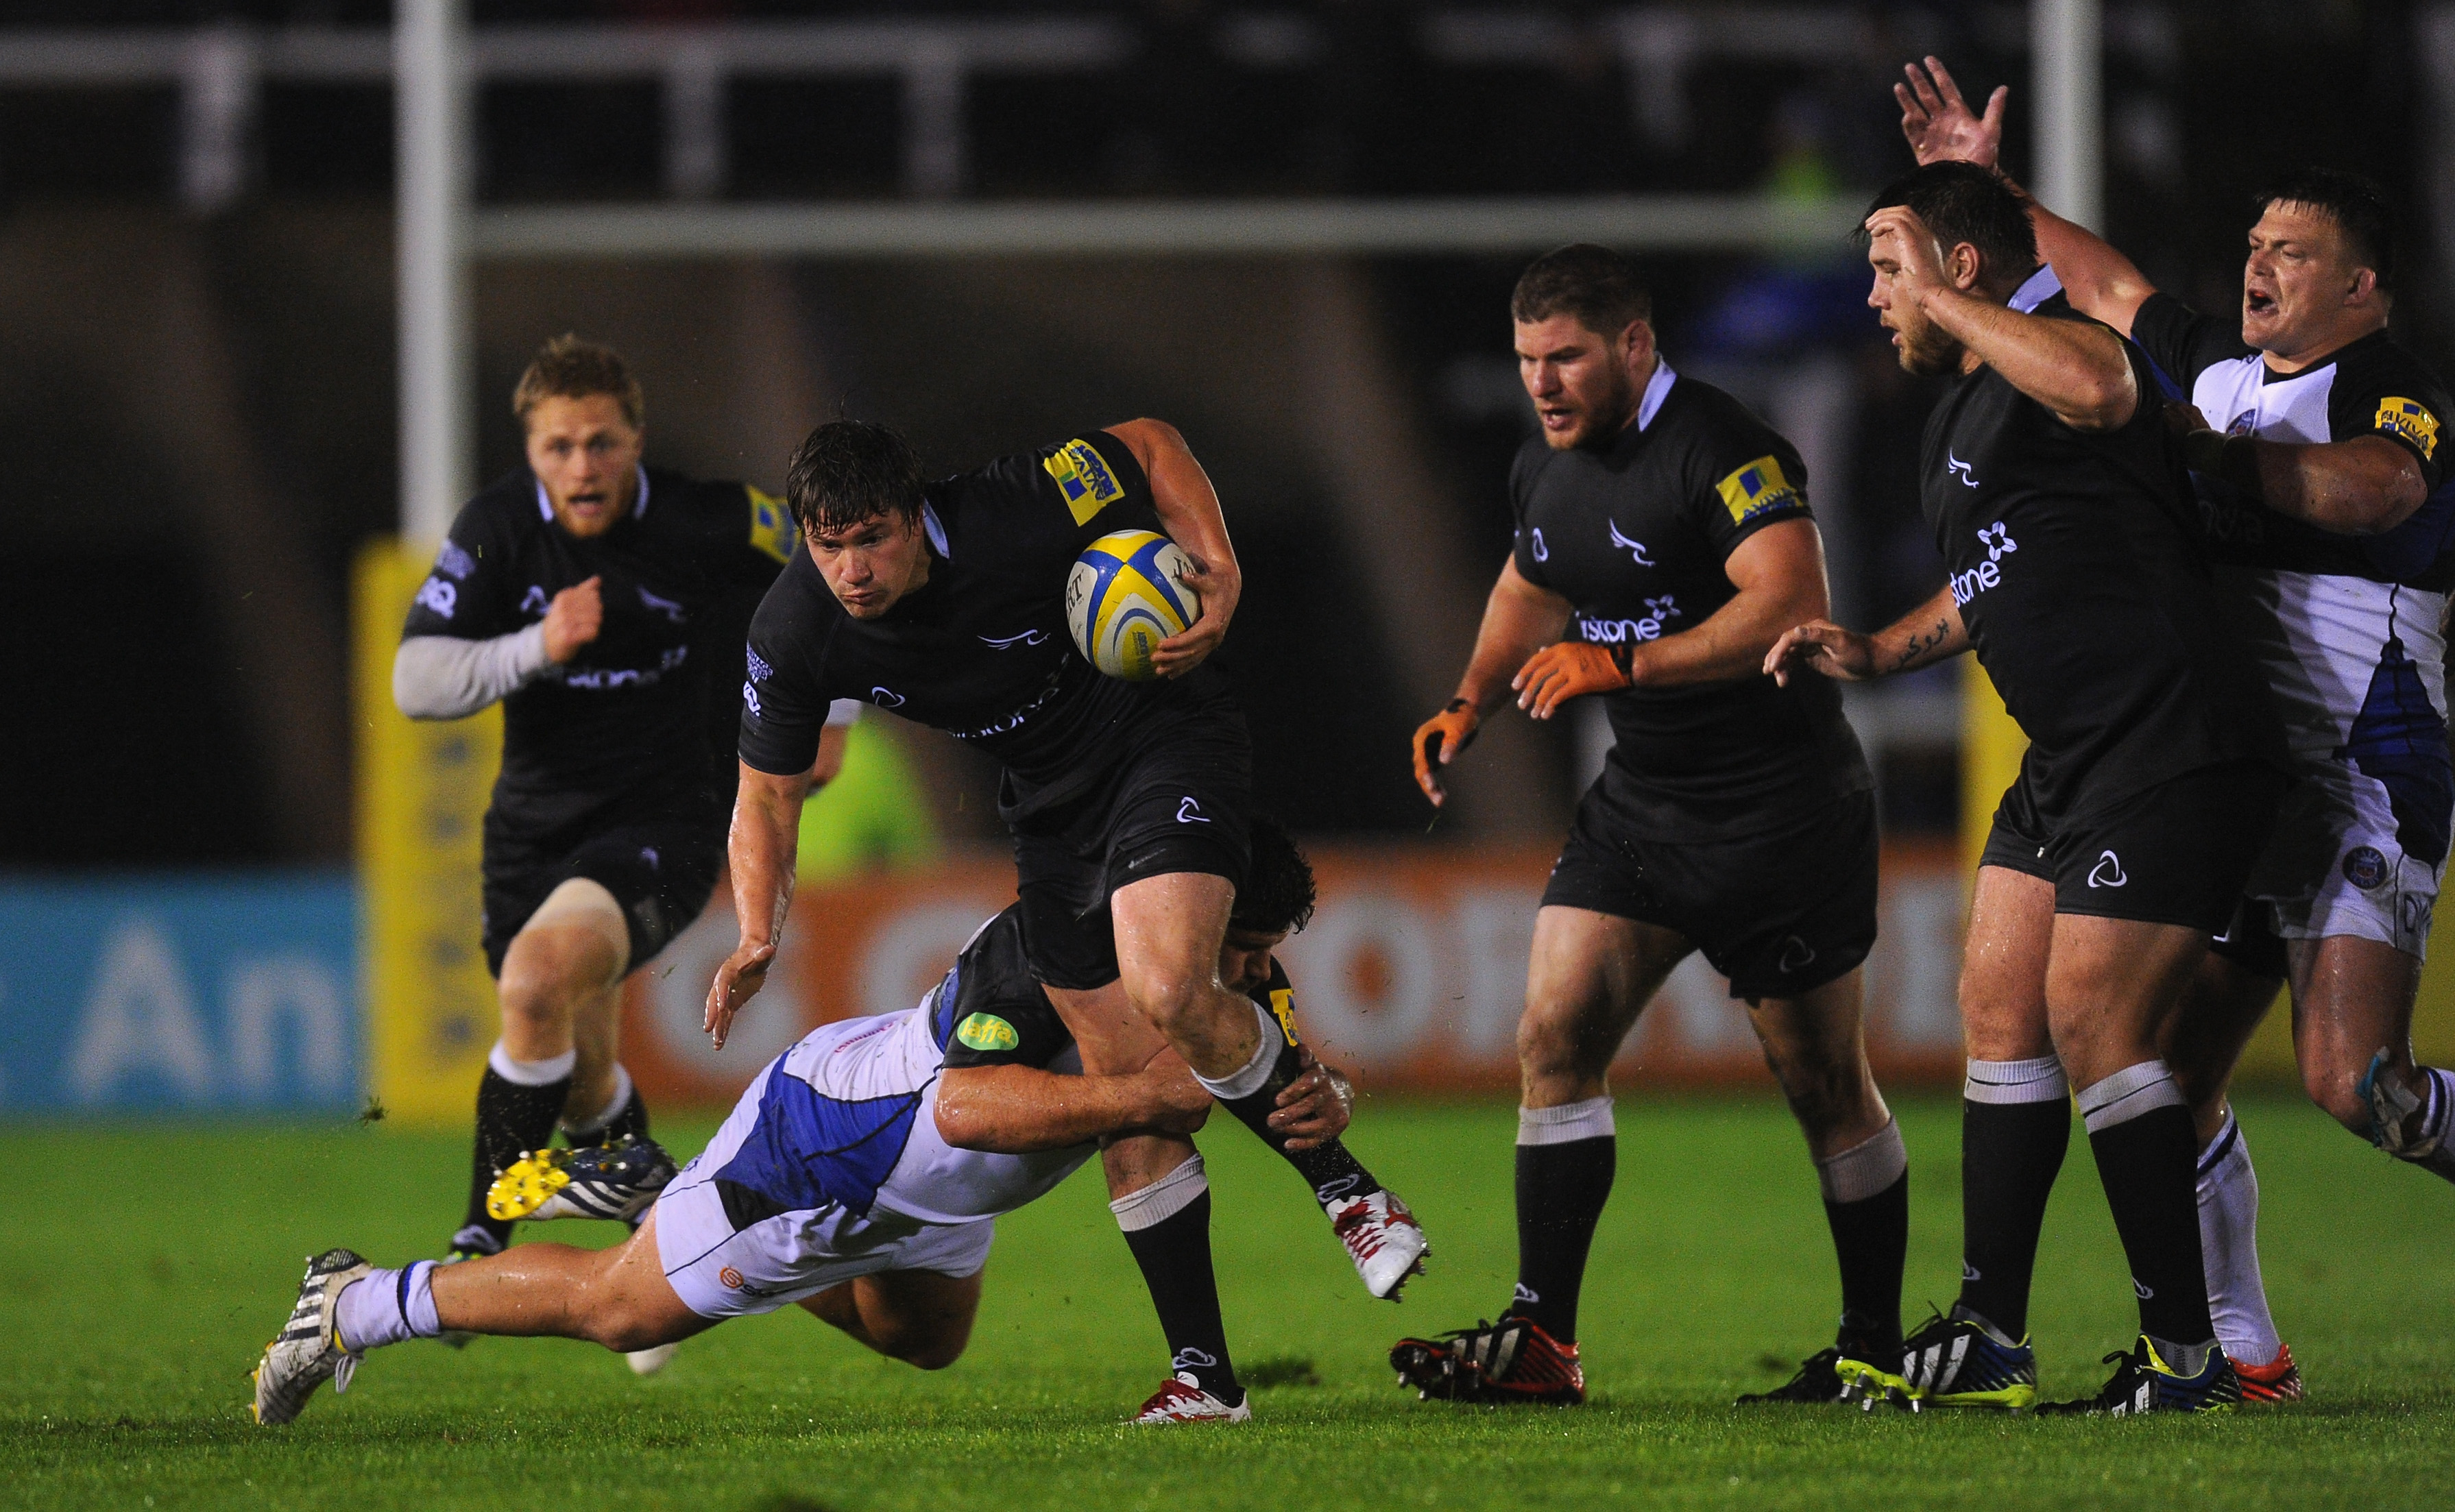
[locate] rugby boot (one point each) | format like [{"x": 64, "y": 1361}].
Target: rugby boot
[
  {"x": 2275, "y": 1382},
  {"x": 1511, "y": 1361},
  {"x": 308, "y": 1350},
  {"x": 616, "y": 1181},
  {"x": 2144, "y": 1383},
  {"x": 1954, "y": 1361},
  {"x": 1817, "y": 1381},
  {"x": 1180, "y": 1399},
  {"x": 1383, "y": 1238}
]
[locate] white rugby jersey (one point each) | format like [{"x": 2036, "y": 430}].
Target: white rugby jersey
[{"x": 2349, "y": 629}]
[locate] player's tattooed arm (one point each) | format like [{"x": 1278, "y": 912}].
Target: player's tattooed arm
[
  {"x": 1190, "y": 512},
  {"x": 758, "y": 852},
  {"x": 1926, "y": 634},
  {"x": 2358, "y": 487}
]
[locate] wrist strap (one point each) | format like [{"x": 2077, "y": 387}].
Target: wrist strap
[{"x": 1624, "y": 657}]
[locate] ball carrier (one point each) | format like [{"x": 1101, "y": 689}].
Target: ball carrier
[
  {"x": 1128, "y": 801},
  {"x": 1666, "y": 529}
]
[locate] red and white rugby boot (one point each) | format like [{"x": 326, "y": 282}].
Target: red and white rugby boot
[
  {"x": 1510, "y": 1360},
  {"x": 1180, "y": 1399},
  {"x": 2277, "y": 1382},
  {"x": 1383, "y": 1238}
]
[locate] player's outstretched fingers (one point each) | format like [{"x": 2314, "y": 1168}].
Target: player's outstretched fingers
[{"x": 736, "y": 982}]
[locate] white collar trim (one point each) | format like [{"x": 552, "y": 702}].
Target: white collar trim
[{"x": 1656, "y": 389}]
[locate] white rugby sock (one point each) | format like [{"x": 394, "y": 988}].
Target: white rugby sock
[
  {"x": 530, "y": 1072},
  {"x": 1162, "y": 1199},
  {"x": 387, "y": 1306},
  {"x": 1249, "y": 1080},
  {"x": 2229, "y": 1248},
  {"x": 1566, "y": 1124}
]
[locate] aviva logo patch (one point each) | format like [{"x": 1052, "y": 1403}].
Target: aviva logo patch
[
  {"x": 771, "y": 525},
  {"x": 1756, "y": 489},
  {"x": 1283, "y": 1008},
  {"x": 987, "y": 1032},
  {"x": 1083, "y": 477},
  {"x": 2411, "y": 420}
]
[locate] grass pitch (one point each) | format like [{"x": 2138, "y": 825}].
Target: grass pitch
[{"x": 143, "y": 1268}]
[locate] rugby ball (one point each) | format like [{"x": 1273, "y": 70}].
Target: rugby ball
[{"x": 1126, "y": 594}]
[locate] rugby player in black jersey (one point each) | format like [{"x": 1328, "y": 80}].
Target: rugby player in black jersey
[
  {"x": 1666, "y": 530},
  {"x": 945, "y": 601},
  {"x": 2325, "y": 503},
  {"x": 602, "y": 602},
  {"x": 2151, "y": 781}
]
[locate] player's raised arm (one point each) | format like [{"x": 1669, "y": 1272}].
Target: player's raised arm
[
  {"x": 759, "y": 853},
  {"x": 2078, "y": 370},
  {"x": 1518, "y": 620},
  {"x": 2098, "y": 280},
  {"x": 1190, "y": 514},
  {"x": 1929, "y": 633}
]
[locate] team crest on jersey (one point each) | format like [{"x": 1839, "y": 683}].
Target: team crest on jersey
[
  {"x": 1283, "y": 1008},
  {"x": 1756, "y": 488},
  {"x": 771, "y": 525},
  {"x": 2411, "y": 420},
  {"x": 1083, "y": 477},
  {"x": 987, "y": 1032}
]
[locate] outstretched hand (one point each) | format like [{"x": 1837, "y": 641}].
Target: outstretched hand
[
  {"x": 1938, "y": 123},
  {"x": 1440, "y": 739},
  {"x": 736, "y": 982},
  {"x": 1821, "y": 646}
]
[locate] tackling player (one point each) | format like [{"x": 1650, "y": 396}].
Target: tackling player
[
  {"x": 860, "y": 1176},
  {"x": 2150, "y": 782},
  {"x": 602, "y": 603},
  {"x": 945, "y": 601},
  {"x": 1667, "y": 530},
  {"x": 2320, "y": 498}
]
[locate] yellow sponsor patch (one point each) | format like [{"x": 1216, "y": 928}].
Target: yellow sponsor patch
[
  {"x": 1283, "y": 1008},
  {"x": 987, "y": 1032},
  {"x": 1756, "y": 489},
  {"x": 771, "y": 525},
  {"x": 2411, "y": 420},
  {"x": 1085, "y": 479}
]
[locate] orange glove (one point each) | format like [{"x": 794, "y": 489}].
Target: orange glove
[
  {"x": 1570, "y": 670},
  {"x": 1440, "y": 738}
]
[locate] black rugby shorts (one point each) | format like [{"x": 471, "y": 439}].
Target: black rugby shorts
[
  {"x": 1779, "y": 913},
  {"x": 1178, "y": 804},
  {"x": 2178, "y": 852},
  {"x": 660, "y": 871}
]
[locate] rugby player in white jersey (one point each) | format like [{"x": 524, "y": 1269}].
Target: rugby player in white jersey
[
  {"x": 2313, "y": 438},
  {"x": 859, "y": 1176}
]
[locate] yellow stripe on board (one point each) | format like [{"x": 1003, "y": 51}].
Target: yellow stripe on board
[{"x": 422, "y": 789}]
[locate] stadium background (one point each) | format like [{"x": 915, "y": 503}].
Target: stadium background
[{"x": 236, "y": 879}]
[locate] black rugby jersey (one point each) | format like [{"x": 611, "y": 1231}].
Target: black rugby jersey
[
  {"x": 990, "y": 1010},
  {"x": 640, "y": 720},
  {"x": 1635, "y": 536},
  {"x": 2071, "y": 558},
  {"x": 2369, "y": 387},
  {"x": 981, "y": 650}
]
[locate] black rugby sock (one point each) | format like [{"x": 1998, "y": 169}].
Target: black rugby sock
[
  {"x": 1871, "y": 1237},
  {"x": 631, "y": 1122},
  {"x": 2015, "y": 1126},
  {"x": 2148, "y": 1157},
  {"x": 1561, "y": 1189},
  {"x": 513, "y": 1118},
  {"x": 1174, "y": 1254},
  {"x": 1328, "y": 1168}
]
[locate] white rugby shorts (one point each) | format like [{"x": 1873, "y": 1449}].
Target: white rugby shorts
[{"x": 2333, "y": 866}]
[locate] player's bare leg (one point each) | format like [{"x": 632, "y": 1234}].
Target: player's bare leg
[
  {"x": 921, "y": 1318},
  {"x": 561, "y": 984},
  {"x": 1587, "y": 978},
  {"x": 1168, "y": 931},
  {"x": 1815, "y": 1045}
]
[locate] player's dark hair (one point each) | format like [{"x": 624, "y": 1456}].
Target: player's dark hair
[
  {"x": 1278, "y": 892},
  {"x": 849, "y": 472},
  {"x": 569, "y": 368},
  {"x": 1962, "y": 202},
  {"x": 2359, "y": 207},
  {"x": 1596, "y": 284}
]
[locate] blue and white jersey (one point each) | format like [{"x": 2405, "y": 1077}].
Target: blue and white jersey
[
  {"x": 2347, "y": 628},
  {"x": 847, "y": 1117}
]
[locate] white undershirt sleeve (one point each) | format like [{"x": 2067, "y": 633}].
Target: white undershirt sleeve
[{"x": 445, "y": 678}]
